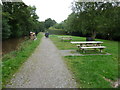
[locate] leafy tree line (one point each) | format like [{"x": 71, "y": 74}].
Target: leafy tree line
[
  {"x": 58, "y": 25},
  {"x": 49, "y": 22},
  {"x": 18, "y": 20},
  {"x": 94, "y": 19}
]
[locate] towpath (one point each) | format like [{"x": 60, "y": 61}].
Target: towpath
[{"x": 45, "y": 68}]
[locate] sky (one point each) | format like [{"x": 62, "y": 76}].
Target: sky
[{"x": 54, "y": 9}]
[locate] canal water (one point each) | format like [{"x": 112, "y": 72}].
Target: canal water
[{"x": 11, "y": 44}]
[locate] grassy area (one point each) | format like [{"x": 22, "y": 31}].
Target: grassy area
[
  {"x": 92, "y": 71},
  {"x": 12, "y": 61}
]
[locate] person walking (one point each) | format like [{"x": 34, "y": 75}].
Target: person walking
[{"x": 47, "y": 35}]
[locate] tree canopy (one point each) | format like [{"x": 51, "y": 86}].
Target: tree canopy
[
  {"x": 49, "y": 22},
  {"x": 96, "y": 19},
  {"x": 18, "y": 19}
]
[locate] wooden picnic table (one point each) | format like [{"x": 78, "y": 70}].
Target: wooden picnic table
[
  {"x": 89, "y": 45},
  {"x": 94, "y": 43},
  {"x": 65, "y": 38}
]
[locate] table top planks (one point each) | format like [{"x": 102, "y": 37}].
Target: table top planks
[{"x": 86, "y": 42}]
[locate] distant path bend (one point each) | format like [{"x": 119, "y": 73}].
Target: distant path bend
[{"x": 44, "y": 69}]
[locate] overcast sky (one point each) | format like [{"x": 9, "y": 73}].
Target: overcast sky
[{"x": 54, "y": 9}]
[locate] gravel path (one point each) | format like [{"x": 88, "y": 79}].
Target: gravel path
[{"x": 44, "y": 69}]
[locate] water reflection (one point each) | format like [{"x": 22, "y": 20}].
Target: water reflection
[{"x": 11, "y": 44}]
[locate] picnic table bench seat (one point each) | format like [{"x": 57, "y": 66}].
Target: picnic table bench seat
[
  {"x": 88, "y": 45},
  {"x": 93, "y": 47}
]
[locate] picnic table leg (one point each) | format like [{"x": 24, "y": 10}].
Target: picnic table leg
[
  {"x": 83, "y": 50},
  {"x": 95, "y": 49},
  {"x": 101, "y": 50},
  {"x": 79, "y": 48}
]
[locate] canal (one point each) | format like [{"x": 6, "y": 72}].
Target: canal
[{"x": 11, "y": 44}]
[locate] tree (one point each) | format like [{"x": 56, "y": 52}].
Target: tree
[
  {"x": 49, "y": 22},
  {"x": 59, "y": 25},
  {"x": 94, "y": 18},
  {"x": 71, "y": 23},
  {"x": 5, "y": 26},
  {"x": 18, "y": 19}
]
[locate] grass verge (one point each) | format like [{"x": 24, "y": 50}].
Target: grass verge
[
  {"x": 94, "y": 71},
  {"x": 12, "y": 61}
]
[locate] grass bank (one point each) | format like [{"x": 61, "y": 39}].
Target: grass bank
[
  {"x": 12, "y": 61},
  {"x": 92, "y": 71}
]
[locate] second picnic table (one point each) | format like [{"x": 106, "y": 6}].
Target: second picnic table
[{"x": 65, "y": 38}]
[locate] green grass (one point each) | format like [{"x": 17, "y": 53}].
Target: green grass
[
  {"x": 90, "y": 71},
  {"x": 12, "y": 61},
  {"x": 64, "y": 45}
]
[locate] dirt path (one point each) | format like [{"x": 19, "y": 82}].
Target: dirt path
[{"x": 44, "y": 69}]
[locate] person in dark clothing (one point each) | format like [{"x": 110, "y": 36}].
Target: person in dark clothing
[
  {"x": 36, "y": 33},
  {"x": 46, "y": 34}
]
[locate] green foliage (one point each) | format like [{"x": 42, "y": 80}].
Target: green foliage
[
  {"x": 12, "y": 61},
  {"x": 49, "y": 22},
  {"x": 5, "y": 26},
  {"x": 71, "y": 23},
  {"x": 19, "y": 19},
  {"x": 41, "y": 26},
  {"x": 95, "y": 18},
  {"x": 59, "y": 25}
]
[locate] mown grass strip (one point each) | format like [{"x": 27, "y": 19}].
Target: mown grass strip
[
  {"x": 12, "y": 61},
  {"x": 91, "y": 71}
]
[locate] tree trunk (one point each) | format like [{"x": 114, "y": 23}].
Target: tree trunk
[{"x": 93, "y": 34}]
